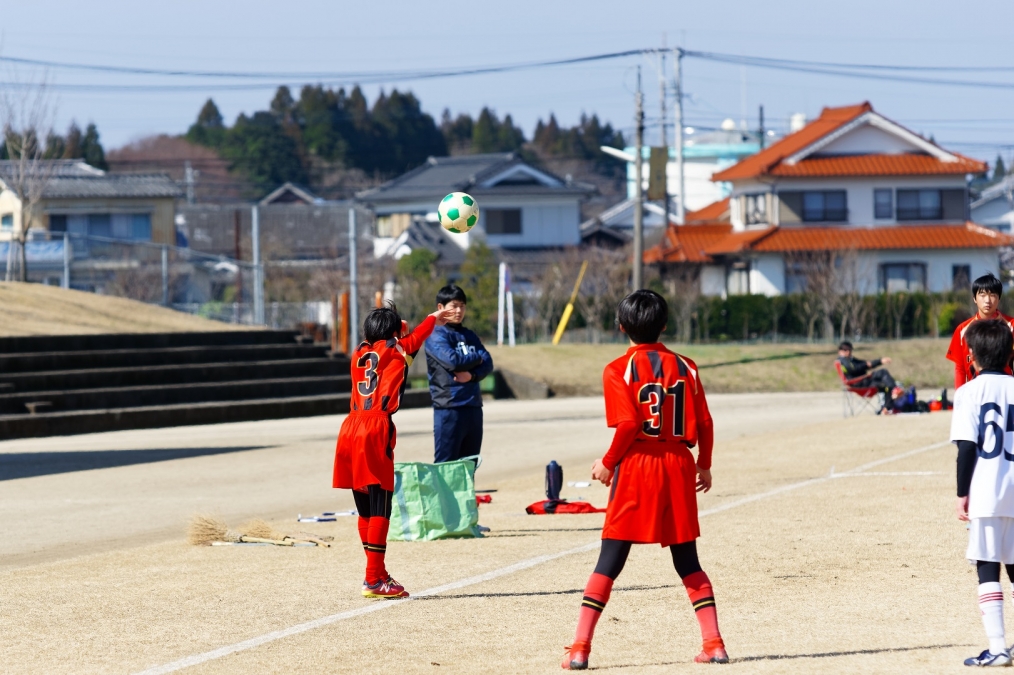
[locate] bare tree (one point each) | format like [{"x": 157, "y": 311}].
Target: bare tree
[
  {"x": 605, "y": 284},
  {"x": 684, "y": 289},
  {"x": 854, "y": 275},
  {"x": 26, "y": 113}
]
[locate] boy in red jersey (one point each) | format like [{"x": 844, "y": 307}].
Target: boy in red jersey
[
  {"x": 364, "y": 456},
  {"x": 655, "y": 401},
  {"x": 986, "y": 291}
]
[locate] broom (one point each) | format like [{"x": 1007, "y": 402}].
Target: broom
[
  {"x": 261, "y": 529},
  {"x": 205, "y": 530}
]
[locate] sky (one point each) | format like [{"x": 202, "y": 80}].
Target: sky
[{"x": 362, "y": 37}]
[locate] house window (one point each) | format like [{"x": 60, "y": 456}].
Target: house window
[
  {"x": 895, "y": 277},
  {"x": 739, "y": 278},
  {"x": 140, "y": 226},
  {"x": 795, "y": 277},
  {"x": 7, "y": 221},
  {"x": 100, "y": 225},
  {"x": 503, "y": 221},
  {"x": 824, "y": 206},
  {"x": 883, "y": 203},
  {"x": 961, "y": 277},
  {"x": 58, "y": 224},
  {"x": 920, "y": 205},
  {"x": 756, "y": 209}
]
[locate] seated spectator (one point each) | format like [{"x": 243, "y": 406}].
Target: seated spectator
[{"x": 853, "y": 368}]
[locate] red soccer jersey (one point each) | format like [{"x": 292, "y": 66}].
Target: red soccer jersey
[
  {"x": 661, "y": 392},
  {"x": 379, "y": 369},
  {"x": 959, "y": 354}
]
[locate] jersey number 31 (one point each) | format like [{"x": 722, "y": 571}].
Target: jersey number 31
[{"x": 655, "y": 396}]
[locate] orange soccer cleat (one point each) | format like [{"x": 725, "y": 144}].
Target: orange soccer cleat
[
  {"x": 713, "y": 652},
  {"x": 576, "y": 657},
  {"x": 385, "y": 588}
]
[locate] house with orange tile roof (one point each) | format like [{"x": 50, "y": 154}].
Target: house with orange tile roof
[{"x": 851, "y": 181}]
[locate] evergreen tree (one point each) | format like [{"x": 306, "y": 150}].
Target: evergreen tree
[
  {"x": 457, "y": 132},
  {"x": 72, "y": 143},
  {"x": 258, "y": 147},
  {"x": 410, "y": 135},
  {"x": 209, "y": 129},
  {"x": 480, "y": 279},
  {"x": 999, "y": 170},
  {"x": 55, "y": 146},
  {"x": 91, "y": 148},
  {"x": 489, "y": 134}
]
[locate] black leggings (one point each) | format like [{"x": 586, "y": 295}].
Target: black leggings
[
  {"x": 990, "y": 571},
  {"x": 614, "y": 554},
  {"x": 376, "y": 501}
]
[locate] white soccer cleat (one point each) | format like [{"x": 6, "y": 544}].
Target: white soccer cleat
[{"x": 989, "y": 659}]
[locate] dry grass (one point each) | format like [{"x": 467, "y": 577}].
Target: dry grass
[
  {"x": 576, "y": 369},
  {"x": 34, "y": 309}
]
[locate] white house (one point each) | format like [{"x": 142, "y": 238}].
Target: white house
[
  {"x": 520, "y": 206},
  {"x": 850, "y": 180},
  {"x": 994, "y": 207}
]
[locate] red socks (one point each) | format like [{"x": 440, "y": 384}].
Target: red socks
[
  {"x": 703, "y": 598},
  {"x": 364, "y": 528},
  {"x": 596, "y": 595},
  {"x": 376, "y": 547}
]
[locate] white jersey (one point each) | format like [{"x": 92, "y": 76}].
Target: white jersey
[{"x": 984, "y": 414}]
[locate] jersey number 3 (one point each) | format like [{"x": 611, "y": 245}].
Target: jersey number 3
[
  {"x": 369, "y": 361},
  {"x": 654, "y": 396}
]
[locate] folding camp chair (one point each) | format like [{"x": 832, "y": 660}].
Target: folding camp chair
[{"x": 855, "y": 398}]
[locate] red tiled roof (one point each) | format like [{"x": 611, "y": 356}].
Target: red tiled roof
[
  {"x": 790, "y": 239},
  {"x": 686, "y": 243},
  {"x": 713, "y": 212},
  {"x": 878, "y": 165},
  {"x": 739, "y": 241},
  {"x": 756, "y": 165},
  {"x": 769, "y": 160}
]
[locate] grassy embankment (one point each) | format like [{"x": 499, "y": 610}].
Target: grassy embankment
[
  {"x": 34, "y": 309},
  {"x": 576, "y": 369}
]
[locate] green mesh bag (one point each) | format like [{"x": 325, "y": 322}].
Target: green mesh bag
[{"x": 434, "y": 501}]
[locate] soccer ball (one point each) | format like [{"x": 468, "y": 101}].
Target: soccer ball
[{"x": 458, "y": 212}]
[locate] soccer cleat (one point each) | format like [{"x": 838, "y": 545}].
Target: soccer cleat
[
  {"x": 576, "y": 657},
  {"x": 988, "y": 659},
  {"x": 712, "y": 652},
  {"x": 385, "y": 588}
]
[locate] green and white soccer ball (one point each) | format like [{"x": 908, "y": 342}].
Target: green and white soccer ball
[{"x": 458, "y": 212}]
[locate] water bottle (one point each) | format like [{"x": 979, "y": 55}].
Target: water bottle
[{"x": 554, "y": 480}]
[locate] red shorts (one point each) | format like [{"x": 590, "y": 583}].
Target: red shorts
[
  {"x": 365, "y": 452},
  {"x": 653, "y": 499}
]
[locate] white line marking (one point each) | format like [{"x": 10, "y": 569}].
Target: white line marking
[
  {"x": 886, "y": 473},
  {"x": 378, "y": 605}
]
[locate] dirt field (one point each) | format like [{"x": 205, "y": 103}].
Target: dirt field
[
  {"x": 576, "y": 369},
  {"x": 831, "y": 544},
  {"x": 34, "y": 309}
]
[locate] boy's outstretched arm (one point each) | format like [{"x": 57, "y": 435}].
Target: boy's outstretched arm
[{"x": 412, "y": 342}]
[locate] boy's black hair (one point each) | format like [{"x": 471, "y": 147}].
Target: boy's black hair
[
  {"x": 991, "y": 343},
  {"x": 643, "y": 315},
  {"x": 451, "y": 292},
  {"x": 988, "y": 283},
  {"x": 382, "y": 323},
  {"x": 845, "y": 345}
]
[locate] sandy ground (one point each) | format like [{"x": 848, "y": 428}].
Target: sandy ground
[
  {"x": 822, "y": 560},
  {"x": 34, "y": 309}
]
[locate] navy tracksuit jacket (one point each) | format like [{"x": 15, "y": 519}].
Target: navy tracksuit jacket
[{"x": 457, "y": 407}]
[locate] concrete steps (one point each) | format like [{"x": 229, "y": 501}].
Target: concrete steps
[{"x": 58, "y": 385}]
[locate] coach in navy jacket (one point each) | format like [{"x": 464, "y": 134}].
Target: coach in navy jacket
[{"x": 456, "y": 361}]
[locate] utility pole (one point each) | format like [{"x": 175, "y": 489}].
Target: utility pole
[
  {"x": 188, "y": 177},
  {"x": 238, "y": 256},
  {"x": 258, "y": 268},
  {"x": 681, "y": 211},
  {"x": 353, "y": 283},
  {"x": 638, "y": 188},
  {"x": 762, "y": 127},
  {"x": 665, "y": 140}
]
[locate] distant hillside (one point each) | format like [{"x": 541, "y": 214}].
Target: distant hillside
[{"x": 34, "y": 309}]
